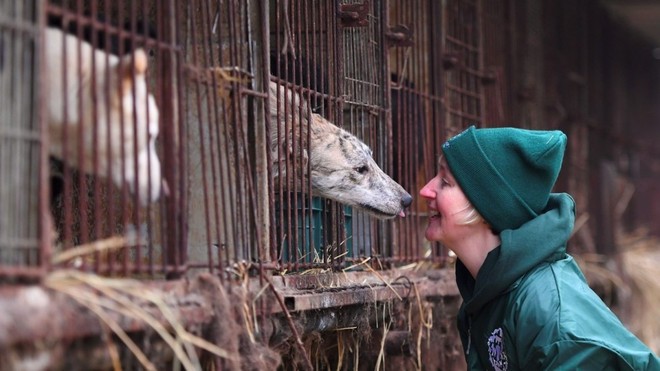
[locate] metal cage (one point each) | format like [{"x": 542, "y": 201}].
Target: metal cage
[{"x": 22, "y": 240}]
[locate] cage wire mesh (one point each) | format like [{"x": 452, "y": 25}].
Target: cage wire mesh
[
  {"x": 113, "y": 127},
  {"x": 364, "y": 90},
  {"x": 224, "y": 211},
  {"x": 304, "y": 58},
  {"x": 20, "y": 140},
  {"x": 414, "y": 38},
  {"x": 335, "y": 56},
  {"x": 462, "y": 43}
]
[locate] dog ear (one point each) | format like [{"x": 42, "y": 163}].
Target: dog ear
[
  {"x": 299, "y": 159},
  {"x": 135, "y": 63}
]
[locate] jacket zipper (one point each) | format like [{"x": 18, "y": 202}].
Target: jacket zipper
[{"x": 469, "y": 344}]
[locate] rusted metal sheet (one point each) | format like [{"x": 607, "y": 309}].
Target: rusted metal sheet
[
  {"x": 336, "y": 298},
  {"x": 303, "y": 293}
]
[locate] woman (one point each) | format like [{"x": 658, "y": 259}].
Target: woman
[{"x": 526, "y": 304}]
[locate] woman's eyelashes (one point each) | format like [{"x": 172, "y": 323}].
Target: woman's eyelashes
[{"x": 443, "y": 182}]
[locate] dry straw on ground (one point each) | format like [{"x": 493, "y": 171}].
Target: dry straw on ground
[{"x": 641, "y": 261}]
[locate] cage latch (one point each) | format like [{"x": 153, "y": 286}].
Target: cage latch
[
  {"x": 399, "y": 35},
  {"x": 354, "y": 15}
]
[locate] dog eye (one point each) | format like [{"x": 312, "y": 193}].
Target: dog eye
[{"x": 362, "y": 169}]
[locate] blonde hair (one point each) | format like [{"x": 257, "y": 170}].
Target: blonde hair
[{"x": 472, "y": 215}]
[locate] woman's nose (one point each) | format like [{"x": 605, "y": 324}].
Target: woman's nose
[{"x": 427, "y": 190}]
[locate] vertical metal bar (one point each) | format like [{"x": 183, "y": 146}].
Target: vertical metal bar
[
  {"x": 193, "y": 34},
  {"x": 291, "y": 229},
  {"x": 258, "y": 36},
  {"x": 238, "y": 134},
  {"x": 230, "y": 153},
  {"x": 304, "y": 142},
  {"x": 96, "y": 212},
  {"x": 336, "y": 45},
  {"x": 252, "y": 229},
  {"x": 183, "y": 168},
  {"x": 293, "y": 170},
  {"x": 279, "y": 246},
  {"x": 417, "y": 102},
  {"x": 224, "y": 123},
  {"x": 234, "y": 118},
  {"x": 45, "y": 219},
  {"x": 112, "y": 208},
  {"x": 176, "y": 249},
  {"x": 212, "y": 104}
]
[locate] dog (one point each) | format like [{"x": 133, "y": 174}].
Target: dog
[
  {"x": 106, "y": 127},
  {"x": 341, "y": 167}
]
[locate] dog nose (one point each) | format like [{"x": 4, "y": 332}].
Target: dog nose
[{"x": 406, "y": 200}]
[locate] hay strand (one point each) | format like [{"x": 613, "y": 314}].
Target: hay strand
[
  {"x": 91, "y": 302},
  {"x": 380, "y": 277},
  {"x": 381, "y": 354},
  {"x": 122, "y": 294},
  {"x": 108, "y": 244}
]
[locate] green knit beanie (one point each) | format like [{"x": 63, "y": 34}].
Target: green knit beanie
[{"x": 506, "y": 173}]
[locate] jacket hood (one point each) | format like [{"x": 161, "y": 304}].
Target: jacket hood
[{"x": 539, "y": 240}]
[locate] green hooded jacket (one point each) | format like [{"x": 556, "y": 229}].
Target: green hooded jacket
[{"x": 530, "y": 307}]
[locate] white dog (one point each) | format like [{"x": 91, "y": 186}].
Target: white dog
[{"x": 114, "y": 118}]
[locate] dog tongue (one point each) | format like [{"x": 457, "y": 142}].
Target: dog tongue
[{"x": 402, "y": 214}]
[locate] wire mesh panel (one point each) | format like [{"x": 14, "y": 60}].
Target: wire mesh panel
[
  {"x": 332, "y": 134},
  {"x": 462, "y": 48},
  {"x": 112, "y": 116},
  {"x": 220, "y": 61},
  {"x": 364, "y": 89},
  {"x": 20, "y": 235},
  {"x": 310, "y": 231},
  {"x": 413, "y": 35}
]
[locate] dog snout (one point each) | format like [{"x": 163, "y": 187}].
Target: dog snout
[{"x": 406, "y": 200}]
